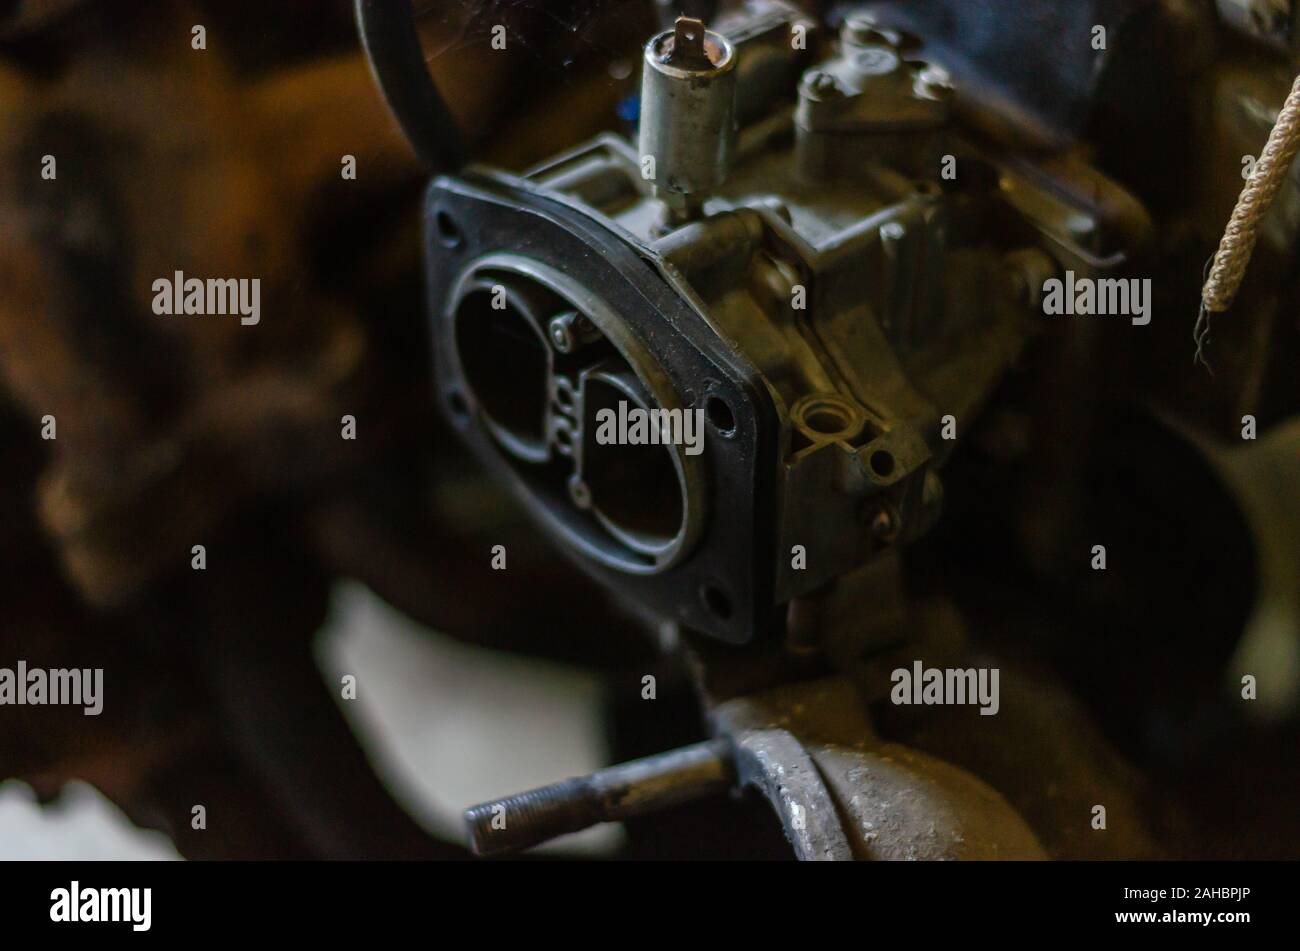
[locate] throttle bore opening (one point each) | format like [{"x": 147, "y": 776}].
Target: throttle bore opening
[
  {"x": 635, "y": 489},
  {"x": 506, "y": 367},
  {"x": 628, "y": 501}
]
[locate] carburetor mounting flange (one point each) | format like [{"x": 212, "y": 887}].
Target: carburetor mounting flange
[{"x": 544, "y": 323}]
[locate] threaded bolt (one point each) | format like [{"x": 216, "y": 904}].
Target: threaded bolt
[{"x": 646, "y": 785}]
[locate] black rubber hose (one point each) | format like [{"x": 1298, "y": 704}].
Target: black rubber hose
[{"x": 389, "y": 37}]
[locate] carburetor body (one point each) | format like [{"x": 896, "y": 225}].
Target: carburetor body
[{"x": 803, "y": 254}]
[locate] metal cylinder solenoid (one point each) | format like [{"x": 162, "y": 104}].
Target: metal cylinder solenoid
[{"x": 688, "y": 114}]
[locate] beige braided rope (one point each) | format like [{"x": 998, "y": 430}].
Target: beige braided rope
[{"x": 1227, "y": 268}]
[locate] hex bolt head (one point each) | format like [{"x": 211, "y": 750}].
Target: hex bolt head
[
  {"x": 561, "y": 337},
  {"x": 570, "y": 330},
  {"x": 876, "y": 61},
  {"x": 935, "y": 81},
  {"x": 823, "y": 84},
  {"x": 883, "y": 523}
]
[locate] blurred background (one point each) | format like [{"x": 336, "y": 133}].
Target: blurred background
[
  {"x": 226, "y": 160},
  {"x": 370, "y": 558},
  {"x": 505, "y": 722}
]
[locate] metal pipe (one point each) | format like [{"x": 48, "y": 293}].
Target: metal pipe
[{"x": 608, "y": 795}]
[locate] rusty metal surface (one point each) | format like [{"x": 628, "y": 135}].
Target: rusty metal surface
[
  {"x": 625, "y": 791},
  {"x": 843, "y": 793},
  {"x": 772, "y": 761}
]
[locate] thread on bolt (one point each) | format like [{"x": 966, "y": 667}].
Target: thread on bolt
[{"x": 532, "y": 816}]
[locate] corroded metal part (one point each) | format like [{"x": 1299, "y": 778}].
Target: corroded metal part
[
  {"x": 773, "y": 762},
  {"x": 842, "y": 793}
]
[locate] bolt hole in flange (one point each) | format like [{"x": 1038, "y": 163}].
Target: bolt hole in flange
[
  {"x": 721, "y": 416},
  {"x": 716, "y": 601},
  {"x": 448, "y": 231},
  {"x": 456, "y": 403},
  {"x": 882, "y": 463}
]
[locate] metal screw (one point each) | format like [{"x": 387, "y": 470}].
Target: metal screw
[
  {"x": 884, "y": 524},
  {"x": 570, "y": 330},
  {"x": 859, "y": 26},
  {"x": 935, "y": 81},
  {"x": 579, "y": 492},
  {"x": 876, "y": 61},
  {"x": 823, "y": 84}
]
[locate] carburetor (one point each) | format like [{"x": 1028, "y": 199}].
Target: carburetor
[{"x": 802, "y": 254}]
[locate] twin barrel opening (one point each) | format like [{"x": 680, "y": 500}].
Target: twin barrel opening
[{"x": 539, "y": 360}]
